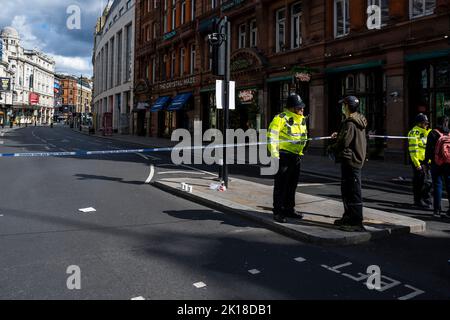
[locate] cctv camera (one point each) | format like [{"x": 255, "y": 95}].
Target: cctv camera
[
  {"x": 214, "y": 38},
  {"x": 394, "y": 94}
]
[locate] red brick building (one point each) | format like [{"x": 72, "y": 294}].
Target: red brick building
[{"x": 321, "y": 49}]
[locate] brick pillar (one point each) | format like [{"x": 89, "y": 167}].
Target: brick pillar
[
  {"x": 399, "y": 10},
  {"x": 358, "y": 15},
  {"x": 329, "y": 11},
  {"x": 396, "y": 108},
  {"x": 317, "y": 106}
]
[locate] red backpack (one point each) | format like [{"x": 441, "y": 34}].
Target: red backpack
[{"x": 442, "y": 151}]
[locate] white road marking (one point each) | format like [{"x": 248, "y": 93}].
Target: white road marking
[
  {"x": 65, "y": 141},
  {"x": 86, "y": 210},
  {"x": 254, "y": 271},
  {"x": 412, "y": 294},
  {"x": 63, "y": 150},
  {"x": 300, "y": 259},
  {"x": 138, "y": 298},
  {"x": 335, "y": 268},
  {"x": 317, "y": 184},
  {"x": 2, "y": 142},
  {"x": 152, "y": 173},
  {"x": 205, "y": 172},
  {"x": 142, "y": 156},
  {"x": 52, "y": 145},
  {"x": 1, "y": 215},
  {"x": 188, "y": 172},
  {"x": 199, "y": 285},
  {"x": 153, "y": 158},
  {"x": 47, "y": 148}
]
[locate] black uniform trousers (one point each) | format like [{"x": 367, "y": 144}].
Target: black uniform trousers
[
  {"x": 286, "y": 181},
  {"x": 421, "y": 186},
  {"x": 351, "y": 194}
]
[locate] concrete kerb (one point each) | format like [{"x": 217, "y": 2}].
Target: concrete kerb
[{"x": 284, "y": 229}]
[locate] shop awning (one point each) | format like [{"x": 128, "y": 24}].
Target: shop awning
[
  {"x": 279, "y": 79},
  {"x": 179, "y": 102},
  {"x": 352, "y": 67},
  {"x": 160, "y": 104},
  {"x": 427, "y": 55}
]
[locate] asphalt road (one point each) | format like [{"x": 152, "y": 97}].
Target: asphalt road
[{"x": 143, "y": 242}]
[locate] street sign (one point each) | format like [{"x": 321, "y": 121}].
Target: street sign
[
  {"x": 232, "y": 101},
  {"x": 219, "y": 94},
  {"x": 5, "y": 84}
]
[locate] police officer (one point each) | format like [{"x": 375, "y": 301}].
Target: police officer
[
  {"x": 288, "y": 138},
  {"x": 417, "y": 145}
]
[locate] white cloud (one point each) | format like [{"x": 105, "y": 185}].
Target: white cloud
[
  {"x": 73, "y": 65},
  {"x": 27, "y": 38}
]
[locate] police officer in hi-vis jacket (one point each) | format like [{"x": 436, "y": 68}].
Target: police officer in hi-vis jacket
[{"x": 288, "y": 137}]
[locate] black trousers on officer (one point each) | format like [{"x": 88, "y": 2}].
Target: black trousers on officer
[
  {"x": 351, "y": 194},
  {"x": 421, "y": 187},
  {"x": 286, "y": 181}
]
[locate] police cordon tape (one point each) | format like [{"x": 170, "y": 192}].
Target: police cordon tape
[{"x": 169, "y": 149}]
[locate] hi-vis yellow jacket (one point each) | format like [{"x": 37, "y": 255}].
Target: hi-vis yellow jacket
[
  {"x": 287, "y": 132},
  {"x": 417, "y": 144}
]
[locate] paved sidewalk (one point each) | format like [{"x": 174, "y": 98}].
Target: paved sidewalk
[
  {"x": 390, "y": 174},
  {"x": 253, "y": 201}
]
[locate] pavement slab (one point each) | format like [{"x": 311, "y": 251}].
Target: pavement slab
[{"x": 254, "y": 201}]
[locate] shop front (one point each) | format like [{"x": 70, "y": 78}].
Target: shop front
[
  {"x": 429, "y": 88},
  {"x": 141, "y": 122}
]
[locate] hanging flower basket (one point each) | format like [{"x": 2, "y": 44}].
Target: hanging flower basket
[{"x": 303, "y": 77}]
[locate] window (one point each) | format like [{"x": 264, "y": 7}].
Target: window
[
  {"x": 213, "y": 4},
  {"x": 154, "y": 31},
  {"x": 253, "y": 34},
  {"x": 296, "y": 29},
  {"x": 280, "y": 36},
  {"x": 153, "y": 70},
  {"x": 183, "y": 11},
  {"x": 242, "y": 36},
  {"x": 165, "y": 19},
  {"x": 341, "y": 18},
  {"x": 420, "y": 8},
  {"x": 164, "y": 67},
  {"x": 128, "y": 4},
  {"x": 119, "y": 59},
  {"x": 172, "y": 65},
  {"x": 147, "y": 33},
  {"x": 193, "y": 7},
  {"x": 174, "y": 14},
  {"x": 192, "y": 60},
  {"x": 384, "y": 6},
  {"x": 128, "y": 53},
  {"x": 182, "y": 61}
]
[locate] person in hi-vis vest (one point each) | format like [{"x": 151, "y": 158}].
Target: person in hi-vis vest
[{"x": 287, "y": 139}]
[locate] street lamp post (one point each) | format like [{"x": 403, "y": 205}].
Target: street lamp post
[{"x": 220, "y": 39}]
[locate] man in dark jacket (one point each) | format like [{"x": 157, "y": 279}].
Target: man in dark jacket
[{"x": 350, "y": 150}]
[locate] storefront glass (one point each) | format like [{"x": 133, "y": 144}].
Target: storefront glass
[
  {"x": 430, "y": 89},
  {"x": 370, "y": 87}
]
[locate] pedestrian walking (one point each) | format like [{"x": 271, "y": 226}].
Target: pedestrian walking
[
  {"x": 421, "y": 176},
  {"x": 287, "y": 140},
  {"x": 350, "y": 149},
  {"x": 438, "y": 154}
]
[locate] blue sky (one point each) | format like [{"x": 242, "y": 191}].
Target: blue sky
[{"x": 42, "y": 24}]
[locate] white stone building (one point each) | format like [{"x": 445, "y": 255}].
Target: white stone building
[
  {"x": 32, "y": 79},
  {"x": 113, "y": 61}
]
